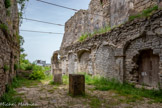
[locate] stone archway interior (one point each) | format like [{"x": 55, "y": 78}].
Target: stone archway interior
[{"x": 148, "y": 68}]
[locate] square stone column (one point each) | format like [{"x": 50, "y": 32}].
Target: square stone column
[
  {"x": 58, "y": 78},
  {"x": 76, "y": 84}
]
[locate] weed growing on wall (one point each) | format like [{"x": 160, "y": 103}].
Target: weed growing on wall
[
  {"x": 7, "y": 3},
  {"x": 4, "y": 28},
  {"x": 21, "y": 4},
  {"x": 16, "y": 66},
  {"x": 100, "y": 31},
  {"x": 6, "y": 68},
  {"x": 83, "y": 37},
  {"x": 145, "y": 13}
]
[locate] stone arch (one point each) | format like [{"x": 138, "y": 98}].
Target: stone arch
[
  {"x": 84, "y": 61},
  {"x": 81, "y": 52},
  {"x": 132, "y": 52},
  {"x": 56, "y": 65}
]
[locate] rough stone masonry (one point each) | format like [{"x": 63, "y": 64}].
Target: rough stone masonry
[
  {"x": 131, "y": 52},
  {"x": 9, "y": 45}
]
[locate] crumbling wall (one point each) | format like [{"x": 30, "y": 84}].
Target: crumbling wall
[
  {"x": 86, "y": 21},
  {"x": 101, "y": 13},
  {"x": 9, "y": 45},
  {"x": 113, "y": 54},
  {"x": 121, "y": 9}
]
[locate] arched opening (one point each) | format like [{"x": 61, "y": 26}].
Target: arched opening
[
  {"x": 83, "y": 59},
  {"x": 148, "y": 68}
]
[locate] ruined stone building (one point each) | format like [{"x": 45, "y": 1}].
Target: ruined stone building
[
  {"x": 9, "y": 45},
  {"x": 131, "y": 52}
]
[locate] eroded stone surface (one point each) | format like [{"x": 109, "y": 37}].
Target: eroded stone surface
[{"x": 9, "y": 45}]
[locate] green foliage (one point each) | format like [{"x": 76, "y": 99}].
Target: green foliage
[
  {"x": 100, "y": 31},
  {"x": 6, "y": 68},
  {"x": 65, "y": 79},
  {"x": 20, "y": 39},
  {"x": 95, "y": 103},
  {"x": 16, "y": 66},
  {"x": 7, "y": 3},
  {"x": 9, "y": 96},
  {"x": 104, "y": 30},
  {"x": 104, "y": 84},
  {"x": 38, "y": 73},
  {"x": 53, "y": 83},
  {"x": 4, "y": 28},
  {"x": 145, "y": 13},
  {"x": 24, "y": 63},
  {"x": 29, "y": 67},
  {"x": 21, "y": 4},
  {"x": 83, "y": 37}
]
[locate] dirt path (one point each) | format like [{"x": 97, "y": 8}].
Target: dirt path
[{"x": 44, "y": 95}]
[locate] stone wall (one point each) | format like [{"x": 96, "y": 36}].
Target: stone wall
[
  {"x": 101, "y": 13},
  {"x": 86, "y": 21},
  {"x": 9, "y": 46},
  {"x": 114, "y": 54}
]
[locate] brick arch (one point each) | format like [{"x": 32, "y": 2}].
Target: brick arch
[{"x": 133, "y": 49}]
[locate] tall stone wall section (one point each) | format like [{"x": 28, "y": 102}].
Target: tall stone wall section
[
  {"x": 101, "y": 13},
  {"x": 9, "y": 45},
  {"x": 86, "y": 21}
]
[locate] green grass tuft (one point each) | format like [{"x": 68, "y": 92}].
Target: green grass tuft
[
  {"x": 95, "y": 103},
  {"x": 9, "y": 96},
  {"x": 145, "y": 13},
  {"x": 6, "y": 68},
  {"x": 100, "y": 31},
  {"x": 83, "y": 37}
]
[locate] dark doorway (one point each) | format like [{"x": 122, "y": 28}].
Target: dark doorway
[{"x": 148, "y": 68}]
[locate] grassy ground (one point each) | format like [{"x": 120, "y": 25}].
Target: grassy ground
[
  {"x": 96, "y": 90},
  {"x": 125, "y": 89},
  {"x": 11, "y": 96}
]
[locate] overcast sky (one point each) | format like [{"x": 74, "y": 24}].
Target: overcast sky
[{"x": 41, "y": 46}]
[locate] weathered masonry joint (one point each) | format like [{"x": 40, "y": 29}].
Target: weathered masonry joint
[{"x": 131, "y": 52}]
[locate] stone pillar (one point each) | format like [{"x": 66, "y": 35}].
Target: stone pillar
[
  {"x": 58, "y": 78},
  {"x": 76, "y": 84},
  {"x": 119, "y": 55}
]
